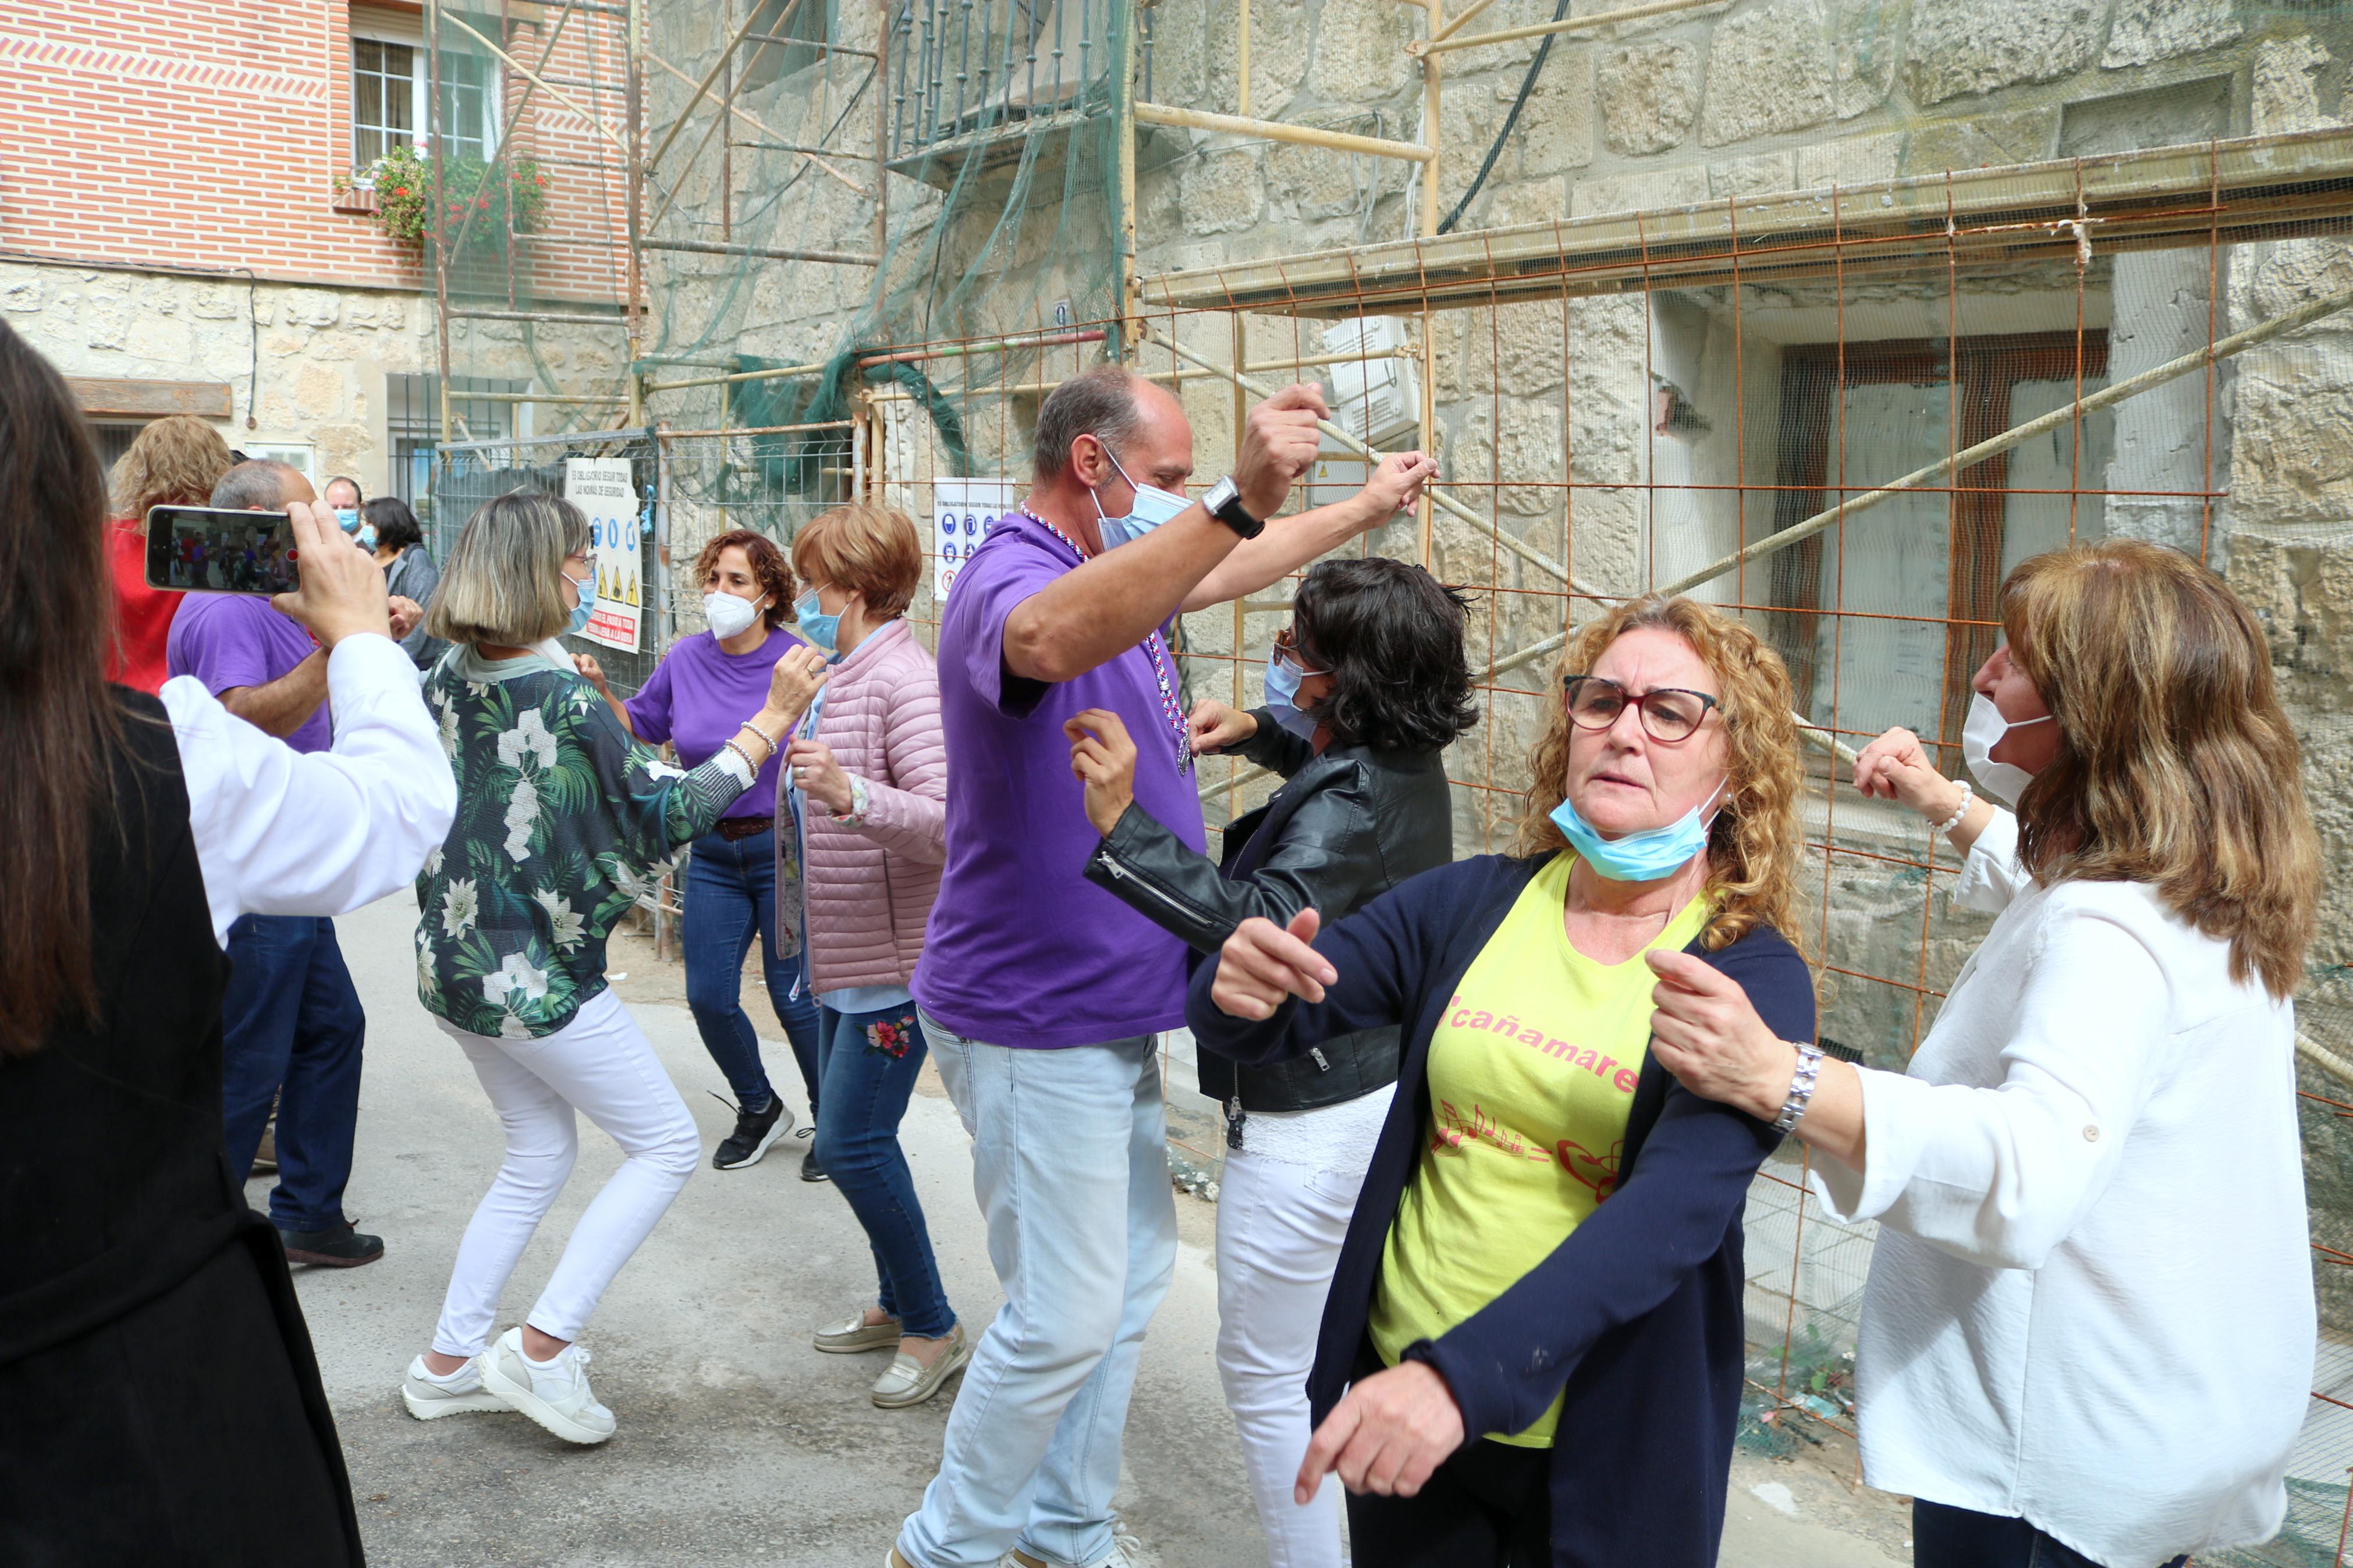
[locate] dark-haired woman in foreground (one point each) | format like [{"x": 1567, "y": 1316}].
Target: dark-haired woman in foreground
[
  {"x": 159, "y": 1401},
  {"x": 1362, "y": 692}
]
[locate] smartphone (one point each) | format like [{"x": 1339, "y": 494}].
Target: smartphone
[{"x": 213, "y": 550}]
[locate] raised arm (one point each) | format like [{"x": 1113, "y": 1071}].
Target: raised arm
[
  {"x": 659, "y": 807},
  {"x": 1087, "y": 617},
  {"x": 1289, "y": 542}
]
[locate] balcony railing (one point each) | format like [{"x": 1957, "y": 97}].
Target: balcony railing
[{"x": 968, "y": 73}]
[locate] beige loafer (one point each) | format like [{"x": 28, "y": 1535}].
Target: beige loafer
[
  {"x": 909, "y": 1382},
  {"x": 854, "y": 1335}
]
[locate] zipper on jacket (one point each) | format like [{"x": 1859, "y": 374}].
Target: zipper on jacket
[
  {"x": 1103, "y": 859},
  {"x": 1234, "y": 1120}
]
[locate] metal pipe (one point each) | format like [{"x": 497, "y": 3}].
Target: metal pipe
[
  {"x": 768, "y": 429},
  {"x": 770, "y": 39},
  {"x": 718, "y": 120},
  {"x": 995, "y": 345},
  {"x": 578, "y": 319},
  {"x": 1454, "y": 26},
  {"x": 1421, "y": 47},
  {"x": 764, "y": 252},
  {"x": 772, "y": 373},
  {"x": 1281, "y": 130},
  {"x": 1241, "y": 51}
]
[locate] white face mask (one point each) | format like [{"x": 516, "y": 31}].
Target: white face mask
[
  {"x": 728, "y": 615},
  {"x": 1986, "y": 727}
]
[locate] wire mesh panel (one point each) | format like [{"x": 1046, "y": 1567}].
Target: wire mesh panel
[
  {"x": 471, "y": 473},
  {"x": 1853, "y": 464}
]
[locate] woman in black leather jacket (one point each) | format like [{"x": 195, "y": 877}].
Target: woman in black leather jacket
[{"x": 1364, "y": 692}]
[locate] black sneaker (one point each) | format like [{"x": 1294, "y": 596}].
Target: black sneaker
[
  {"x": 755, "y": 1133},
  {"x": 812, "y": 1168},
  {"x": 337, "y": 1247}
]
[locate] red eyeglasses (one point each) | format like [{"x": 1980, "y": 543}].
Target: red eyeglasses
[{"x": 1668, "y": 713}]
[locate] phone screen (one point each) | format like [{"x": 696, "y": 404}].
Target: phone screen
[{"x": 216, "y": 551}]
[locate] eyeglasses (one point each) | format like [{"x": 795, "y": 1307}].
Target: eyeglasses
[
  {"x": 1667, "y": 713},
  {"x": 1286, "y": 648}
]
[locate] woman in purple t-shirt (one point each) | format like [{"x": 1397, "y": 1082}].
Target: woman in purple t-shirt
[{"x": 696, "y": 698}]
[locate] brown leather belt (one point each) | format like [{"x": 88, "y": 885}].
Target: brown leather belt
[{"x": 734, "y": 827}]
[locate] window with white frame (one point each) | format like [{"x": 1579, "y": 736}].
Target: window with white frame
[{"x": 389, "y": 83}]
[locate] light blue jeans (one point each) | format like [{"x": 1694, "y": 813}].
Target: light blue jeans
[{"x": 1071, "y": 1165}]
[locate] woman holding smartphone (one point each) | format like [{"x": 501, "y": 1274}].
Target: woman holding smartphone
[{"x": 562, "y": 819}]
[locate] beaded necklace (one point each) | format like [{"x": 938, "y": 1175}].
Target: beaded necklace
[{"x": 1169, "y": 708}]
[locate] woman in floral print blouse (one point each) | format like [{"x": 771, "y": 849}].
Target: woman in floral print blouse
[{"x": 562, "y": 817}]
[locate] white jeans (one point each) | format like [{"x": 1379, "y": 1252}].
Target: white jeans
[
  {"x": 600, "y": 1063},
  {"x": 1071, "y": 1165},
  {"x": 1280, "y": 1226}
]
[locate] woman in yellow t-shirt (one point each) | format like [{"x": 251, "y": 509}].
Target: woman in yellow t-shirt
[{"x": 1536, "y": 1316}]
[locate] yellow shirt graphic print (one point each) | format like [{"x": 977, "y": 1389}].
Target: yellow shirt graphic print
[{"x": 1531, "y": 1073}]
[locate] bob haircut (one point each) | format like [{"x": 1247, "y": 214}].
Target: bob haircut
[
  {"x": 1754, "y": 847},
  {"x": 503, "y": 584},
  {"x": 2176, "y": 765},
  {"x": 396, "y": 525},
  {"x": 866, "y": 550},
  {"x": 175, "y": 461},
  {"x": 768, "y": 569},
  {"x": 1390, "y": 636}
]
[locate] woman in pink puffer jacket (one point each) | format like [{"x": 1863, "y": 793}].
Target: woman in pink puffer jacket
[{"x": 871, "y": 773}]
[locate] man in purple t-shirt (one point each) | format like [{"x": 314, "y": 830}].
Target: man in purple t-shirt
[
  {"x": 292, "y": 1027},
  {"x": 1040, "y": 992}
]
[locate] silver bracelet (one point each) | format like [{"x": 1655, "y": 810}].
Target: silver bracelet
[
  {"x": 742, "y": 755},
  {"x": 1968, "y": 796},
  {"x": 1801, "y": 1087}
]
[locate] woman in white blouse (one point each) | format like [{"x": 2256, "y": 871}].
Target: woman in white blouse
[{"x": 2089, "y": 1329}]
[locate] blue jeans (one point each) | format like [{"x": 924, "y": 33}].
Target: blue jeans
[
  {"x": 291, "y": 1027},
  {"x": 869, "y": 1061},
  {"x": 731, "y": 892},
  {"x": 1069, "y": 1161},
  {"x": 1948, "y": 1537}
]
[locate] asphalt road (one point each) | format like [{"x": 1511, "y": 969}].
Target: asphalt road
[{"x": 738, "y": 1444}]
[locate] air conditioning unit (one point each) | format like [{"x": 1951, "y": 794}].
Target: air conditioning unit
[{"x": 1378, "y": 398}]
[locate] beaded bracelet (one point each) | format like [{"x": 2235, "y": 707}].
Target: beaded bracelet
[
  {"x": 1801, "y": 1087},
  {"x": 1968, "y": 796},
  {"x": 747, "y": 757}
]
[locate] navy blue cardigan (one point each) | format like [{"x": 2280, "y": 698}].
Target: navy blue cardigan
[{"x": 1637, "y": 1315}]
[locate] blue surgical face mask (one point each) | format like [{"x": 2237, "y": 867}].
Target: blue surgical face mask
[
  {"x": 1642, "y": 856},
  {"x": 1151, "y": 506},
  {"x": 347, "y": 517},
  {"x": 819, "y": 630},
  {"x": 1282, "y": 679},
  {"x": 366, "y": 537},
  {"x": 587, "y": 606}
]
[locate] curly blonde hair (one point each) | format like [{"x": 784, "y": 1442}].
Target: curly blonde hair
[
  {"x": 175, "y": 461},
  {"x": 1754, "y": 847}
]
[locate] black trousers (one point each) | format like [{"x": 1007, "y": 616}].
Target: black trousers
[
  {"x": 1489, "y": 1506},
  {"x": 1948, "y": 1537}
]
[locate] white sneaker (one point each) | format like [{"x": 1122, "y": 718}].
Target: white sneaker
[
  {"x": 429, "y": 1396},
  {"x": 1126, "y": 1552},
  {"x": 555, "y": 1393}
]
